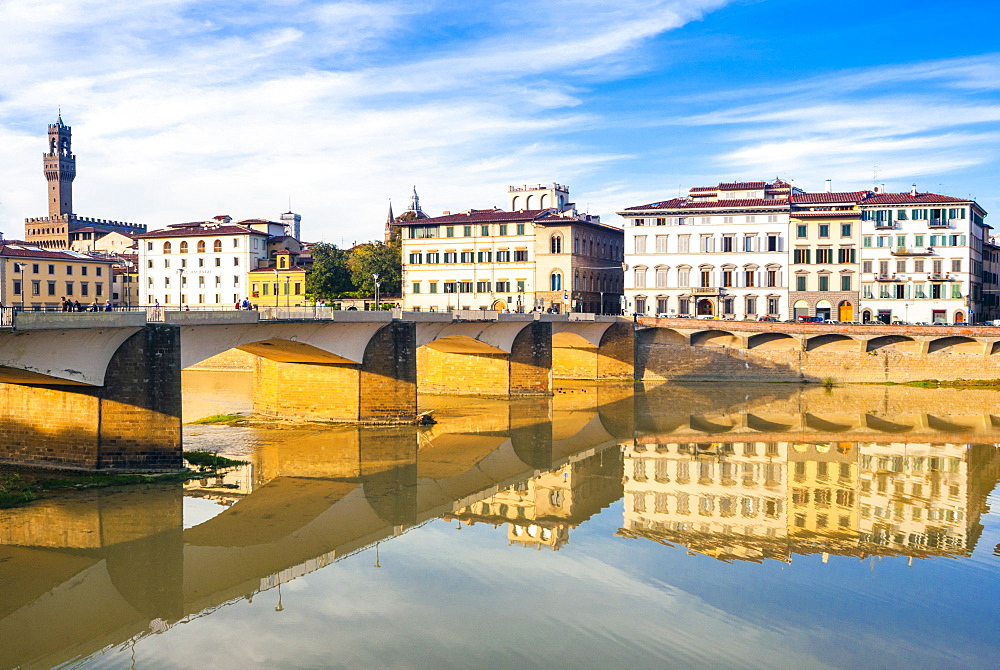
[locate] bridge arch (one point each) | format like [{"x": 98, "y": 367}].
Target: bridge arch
[
  {"x": 832, "y": 342},
  {"x": 900, "y": 343},
  {"x": 714, "y": 338},
  {"x": 772, "y": 341},
  {"x": 955, "y": 345}
]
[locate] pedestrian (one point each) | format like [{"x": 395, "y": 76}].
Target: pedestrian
[
  {"x": 77, "y": 306},
  {"x": 65, "y": 304},
  {"x": 107, "y": 306}
]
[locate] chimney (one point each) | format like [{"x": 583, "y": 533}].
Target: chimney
[
  {"x": 829, "y": 186},
  {"x": 446, "y": 212},
  {"x": 913, "y": 191},
  {"x": 878, "y": 189}
]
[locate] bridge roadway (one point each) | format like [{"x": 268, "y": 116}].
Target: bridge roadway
[{"x": 102, "y": 390}]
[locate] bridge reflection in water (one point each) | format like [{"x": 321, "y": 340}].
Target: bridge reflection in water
[{"x": 735, "y": 473}]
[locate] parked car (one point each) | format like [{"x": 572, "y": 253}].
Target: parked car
[
  {"x": 810, "y": 319},
  {"x": 772, "y": 319}
]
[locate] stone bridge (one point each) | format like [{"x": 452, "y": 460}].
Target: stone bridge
[
  {"x": 102, "y": 391},
  {"x": 711, "y": 350}
]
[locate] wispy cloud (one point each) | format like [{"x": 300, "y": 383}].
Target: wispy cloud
[{"x": 183, "y": 109}]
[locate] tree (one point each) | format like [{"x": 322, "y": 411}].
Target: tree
[
  {"x": 330, "y": 276},
  {"x": 383, "y": 259}
]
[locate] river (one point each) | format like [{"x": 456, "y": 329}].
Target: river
[{"x": 701, "y": 525}]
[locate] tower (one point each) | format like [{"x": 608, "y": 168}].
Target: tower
[
  {"x": 292, "y": 223},
  {"x": 60, "y": 169},
  {"x": 415, "y": 204}
]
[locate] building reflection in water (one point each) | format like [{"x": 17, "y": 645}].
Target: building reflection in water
[{"x": 749, "y": 500}]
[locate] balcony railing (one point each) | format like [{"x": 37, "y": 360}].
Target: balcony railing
[
  {"x": 912, "y": 251},
  {"x": 707, "y": 290},
  {"x": 938, "y": 223},
  {"x": 885, "y": 277},
  {"x": 885, "y": 225}
]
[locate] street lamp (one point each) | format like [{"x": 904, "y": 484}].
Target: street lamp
[
  {"x": 19, "y": 268},
  {"x": 180, "y": 289},
  {"x": 376, "y": 290},
  {"x": 276, "y": 288}
]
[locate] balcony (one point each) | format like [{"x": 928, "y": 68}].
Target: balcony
[
  {"x": 942, "y": 276},
  {"x": 885, "y": 278},
  {"x": 707, "y": 290},
  {"x": 885, "y": 225},
  {"x": 912, "y": 251},
  {"x": 938, "y": 223}
]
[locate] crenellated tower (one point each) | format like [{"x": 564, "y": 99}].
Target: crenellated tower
[{"x": 60, "y": 169}]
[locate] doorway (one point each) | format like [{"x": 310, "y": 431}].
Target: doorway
[
  {"x": 846, "y": 311},
  {"x": 705, "y": 307}
]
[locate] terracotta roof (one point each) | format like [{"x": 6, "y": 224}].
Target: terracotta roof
[
  {"x": 214, "y": 231},
  {"x": 742, "y": 185},
  {"x": 710, "y": 189},
  {"x": 748, "y": 202},
  {"x": 249, "y": 221},
  {"x": 907, "y": 199},
  {"x": 842, "y": 213},
  {"x": 673, "y": 203},
  {"x": 840, "y": 197},
  {"x": 294, "y": 268},
  {"x": 11, "y": 249}
]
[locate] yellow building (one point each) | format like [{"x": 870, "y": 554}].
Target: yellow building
[
  {"x": 40, "y": 278},
  {"x": 280, "y": 284}
]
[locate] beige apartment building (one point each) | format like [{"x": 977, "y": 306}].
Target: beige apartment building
[
  {"x": 825, "y": 237},
  {"x": 40, "y": 278},
  {"x": 549, "y": 258}
]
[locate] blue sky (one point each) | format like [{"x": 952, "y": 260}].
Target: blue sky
[{"x": 182, "y": 110}]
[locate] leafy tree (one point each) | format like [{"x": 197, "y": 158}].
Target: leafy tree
[
  {"x": 383, "y": 259},
  {"x": 330, "y": 276}
]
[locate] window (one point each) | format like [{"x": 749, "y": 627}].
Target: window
[
  {"x": 901, "y": 266},
  {"x": 99, "y": 289},
  {"x": 751, "y": 305},
  {"x": 956, "y": 265},
  {"x": 69, "y": 269},
  {"x": 520, "y": 285},
  {"x": 69, "y": 288},
  {"x": 866, "y": 266},
  {"x": 52, "y": 288},
  {"x": 555, "y": 244},
  {"x": 482, "y": 287},
  {"x": 684, "y": 277},
  {"x": 467, "y": 231},
  {"x": 485, "y": 230},
  {"x": 772, "y": 305},
  {"x": 503, "y": 287},
  {"x": 866, "y": 241},
  {"x": 640, "y": 222},
  {"x": 217, "y": 246},
  {"x": 484, "y": 257},
  {"x": 451, "y": 257},
  {"x": 640, "y": 278},
  {"x": 465, "y": 287},
  {"x": 432, "y": 286},
  {"x": 824, "y": 282},
  {"x": 661, "y": 244},
  {"x": 801, "y": 256},
  {"x": 727, "y": 243},
  {"x": 845, "y": 282},
  {"x": 918, "y": 265},
  {"x": 83, "y": 270},
  {"x": 236, "y": 261},
  {"x": 184, "y": 247},
  {"x": 201, "y": 246},
  {"x": 555, "y": 281},
  {"x": 845, "y": 230},
  {"x": 17, "y": 287},
  {"x": 772, "y": 277},
  {"x": 800, "y": 230},
  {"x": 520, "y": 229},
  {"x": 84, "y": 288},
  {"x": 432, "y": 257},
  {"x": 683, "y": 244},
  {"x": 218, "y": 262},
  {"x": 918, "y": 240},
  {"x": 149, "y": 246},
  {"x": 749, "y": 278},
  {"x": 956, "y": 290},
  {"x": 800, "y": 283},
  {"x": 824, "y": 230},
  {"x": 772, "y": 243},
  {"x": 520, "y": 255},
  {"x": 824, "y": 256},
  {"x": 846, "y": 255},
  {"x": 503, "y": 229},
  {"x": 466, "y": 257},
  {"x": 661, "y": 279},
  {"x": 166, "y": 248},
  {"x": 36, "y": 287},
  {"x": 640, "y": 244}
]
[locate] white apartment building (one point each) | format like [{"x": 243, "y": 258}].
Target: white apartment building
[
  {"x": 719, "y": 252},
  {"x": 921, "y": 258},
  {"x": 549, "y": 258},
  {"x": 202, "y": 263}
]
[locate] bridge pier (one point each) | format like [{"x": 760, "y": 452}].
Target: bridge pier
[
  {"x": 383, "y": 388},
  {"x": 132, "y": 422}
]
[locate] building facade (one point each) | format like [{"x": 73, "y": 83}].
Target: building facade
[
  {"x": 523, "y": 260},
  {"x": 824, "y": 234},
  {"x": 280, "y": 283},
  {"x": 721, "y": 251},
  {"x": 56, "y": 231},
  {"x": 41, "y": 278},
  {"x": 921, "y": 258},
  {"x": 202, "y": 263}
]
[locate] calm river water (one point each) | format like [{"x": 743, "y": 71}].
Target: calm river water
[{"x": 674, "y": 526}]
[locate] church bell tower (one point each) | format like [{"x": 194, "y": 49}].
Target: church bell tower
[{"x": 60, "y": 169}]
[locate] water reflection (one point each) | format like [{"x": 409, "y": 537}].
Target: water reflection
[{"x": 739, "y": 474}]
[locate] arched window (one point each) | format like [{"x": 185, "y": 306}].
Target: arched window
[
  {"x": 513, "y": 203},
  {"x": 544, "y": 200},
  {"x": 184, "y": 247},
  {"x": 555, "y": 244},
  {"x": 556, "y": 281},
  {"x": 217, "y": 246},
  {"x": 166, "y": 247},
  {"x": 201, "y": 246},
  {"x": 640, "y": 278},
  {"x": 527, "y": 202}
]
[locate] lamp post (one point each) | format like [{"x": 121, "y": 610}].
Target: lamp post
[
  {"x": 19, "y": 268},
  {"x": 276, "y": 288},
  {"x": 180, "y": 289},
  {"x": 376, "y": 290}
]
